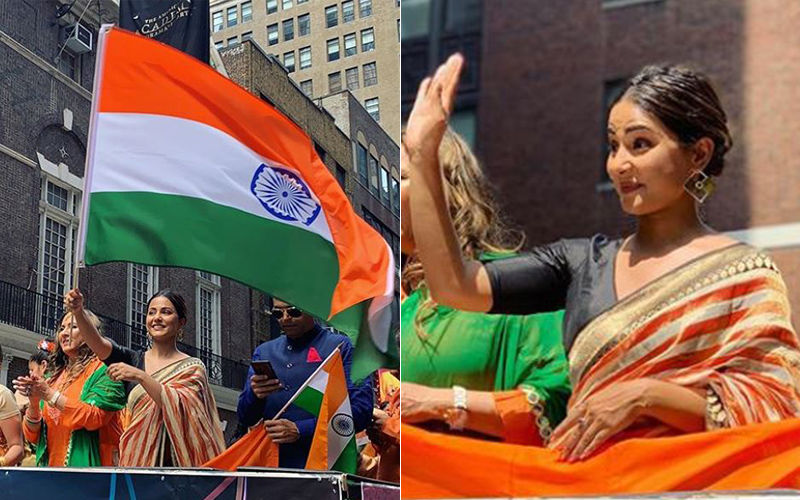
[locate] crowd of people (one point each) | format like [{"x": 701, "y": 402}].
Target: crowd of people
[
  {"x": 664, "y": 360},
  {"x": 87, "y": 401}
]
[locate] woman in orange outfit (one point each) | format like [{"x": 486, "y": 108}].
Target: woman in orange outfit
[
  {"x": 73, "y": 414},
  {"x": 684, "y": 364}
]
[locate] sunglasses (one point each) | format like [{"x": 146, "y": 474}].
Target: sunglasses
[{"x": 292, "y": 311}]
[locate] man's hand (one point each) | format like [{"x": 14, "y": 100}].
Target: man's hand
[
  {"x": 282, "y": 431},
  {"x": 263, "y": 386}
]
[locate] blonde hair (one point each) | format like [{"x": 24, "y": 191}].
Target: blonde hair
[
  {"x": 58, "y": 359},
  {"x": 475, "y": 215}
]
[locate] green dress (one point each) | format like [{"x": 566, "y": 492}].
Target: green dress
[{"x": 486, "y": 352}]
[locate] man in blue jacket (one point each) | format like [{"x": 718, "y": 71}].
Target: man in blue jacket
[{"x": 295, "y": 356}]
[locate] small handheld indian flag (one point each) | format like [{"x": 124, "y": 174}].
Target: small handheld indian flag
[
  {"x": 185, "y": 168},
  {"x": 325, "y": 396}
]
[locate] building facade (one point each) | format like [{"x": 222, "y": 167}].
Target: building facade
[
  {"x": 541, "y": 74},
  {"x": 325, "y": 46}
]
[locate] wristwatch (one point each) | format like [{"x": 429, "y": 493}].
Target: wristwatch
[{"x": 457, "y": 415}]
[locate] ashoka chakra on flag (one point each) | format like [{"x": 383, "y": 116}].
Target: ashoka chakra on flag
[
  {"x": 284, "y": 194},
  {"x": 343, "y": 424}
]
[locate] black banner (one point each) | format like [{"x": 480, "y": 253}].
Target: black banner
[{"x": 184, "y": 24}]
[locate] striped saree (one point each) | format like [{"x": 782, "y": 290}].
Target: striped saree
[
  {"x": 720, "y": 324},
  {"x": 186, "y": 425}
]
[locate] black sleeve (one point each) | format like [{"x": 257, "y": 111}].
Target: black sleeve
[
  {"x": 536, "y": 281},
  {"x": 121, "y": 354}
]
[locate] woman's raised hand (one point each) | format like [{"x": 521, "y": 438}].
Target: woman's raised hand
[
  {"x": 432, "y": 107},
  {"x": 73, "y": 300}
]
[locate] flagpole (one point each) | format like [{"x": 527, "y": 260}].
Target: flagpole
[
  {"x": 308, "y": 380},
  {"x": 87, "y": 169}
]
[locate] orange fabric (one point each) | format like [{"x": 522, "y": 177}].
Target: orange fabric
[
  {"x": 254, "y": 449},
  {"x": 519, "y": 424},
  {"x": 75, "y": 415},
  {"x": 144, "y": 76},
  {"x": 758, "y": 456}
]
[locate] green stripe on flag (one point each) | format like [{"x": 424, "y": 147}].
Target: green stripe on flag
[
  {"x": 310, "y": 400},
  {"x": 348, "y": 459},
  {"x": 169, "y": 230}
]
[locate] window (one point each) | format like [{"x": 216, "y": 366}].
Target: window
[
  {"x": 232, "y": 16},
  {"x": 247, "y": 11},
  {"x": 364, "y": 8},
  {"x": 333, "y": 49},
  {"x": 385, "y": 186},
  {"x": 350, "y": 48},
  {"x": 361, "y": 163},
  {"x": 233, "y": 41},
  {"x": 272, "y": 6},
  {"x": 352, "y": 78},
  {"x": 367, "y": 40},
  {"x": 305, "y": 57},
  {"x": 373, "y": 176},
  {"x": 208, "y": 323},
  {"x": 331, "y": 16},
  {"x": 373, "y": 108},
  {"x": 142, "y": 284},
  {"x": 219, "y": 44},
  {"x": 334, "y": 82},
  {"x": 348, "y": 11},
  {"x": 307, "y": 86},
  {"x": 416, "y": 16},
  {"x": 463, "y": 17},
  {"x": 288, "y": 61},
  {"x": 370, "y": 74},
  {"x": 217, "y": 21},
  {"x": 341, "y": 175},
  {"x": 395, "y": 196},
  {"x": 304, "y": 25},
  {"x": 287, "y": 4},
  {"x": 301, "y": 1},
  {"x": 288, "y": 30},
  {"x": 384, "y": 231},
  {"x": 57, "y": 238},
  {"x": 69, "y": 64},
  {"x": 272, "y": 34},
  {"x": 247, "y": 35}
]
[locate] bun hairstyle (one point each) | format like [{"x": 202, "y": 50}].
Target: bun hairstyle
[
  {"x": 683, "y": 100},
  {"x": 44, "y": 349}
]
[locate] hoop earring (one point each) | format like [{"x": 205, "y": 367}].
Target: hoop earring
[{"x": 699, "y": 186}]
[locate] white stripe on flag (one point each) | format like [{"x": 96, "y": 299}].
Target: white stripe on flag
[
  {"x": 337, "y": 442},
  {"x": 320, "y": 381},
  {"x": 138, "y": 152}
]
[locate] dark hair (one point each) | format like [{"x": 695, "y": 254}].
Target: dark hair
[
  {"x": 40, "y": 356},
  {"x": 175, "y": 298},
  {"x": 683, "y": 100}
]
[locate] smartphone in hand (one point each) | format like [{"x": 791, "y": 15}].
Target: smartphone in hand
[{"x": 264, "y": 367}]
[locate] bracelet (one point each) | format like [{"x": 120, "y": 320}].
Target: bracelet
[
  {"x": 716, "y": 417},
  {"x": 54, "y": 398},
  {"x": 456, "y": 417},
  {"x": 32, "y": 421},
  {"x": 2, "y": 461}
]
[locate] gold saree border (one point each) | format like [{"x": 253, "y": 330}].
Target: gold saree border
[
  {"x": 611, "y": 327},
  {"x": 160, "y": 376}
]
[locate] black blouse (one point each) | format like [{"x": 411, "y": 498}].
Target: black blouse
[
  {"x": 120, "y": 354},
  {"x": 576, "y": 275}
]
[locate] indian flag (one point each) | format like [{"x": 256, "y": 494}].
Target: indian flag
[
  {"x": 187, "y": 169},
  {"x": 325, "y": 396}
]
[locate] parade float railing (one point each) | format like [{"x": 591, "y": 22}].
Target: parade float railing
[{"x": 39, "y": 313}]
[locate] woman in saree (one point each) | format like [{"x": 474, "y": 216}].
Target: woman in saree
[
  {"x": 672, "y": 331},
  {"x": 172, "y": 418},
  {"x": 73, "y": 414},
  {"x": 511, "y": 371}
]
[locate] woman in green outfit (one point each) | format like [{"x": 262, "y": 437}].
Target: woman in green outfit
[{"x": 504, "y": 377}]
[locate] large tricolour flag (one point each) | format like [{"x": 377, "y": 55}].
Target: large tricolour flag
[{"x": 185, "y": 168}]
